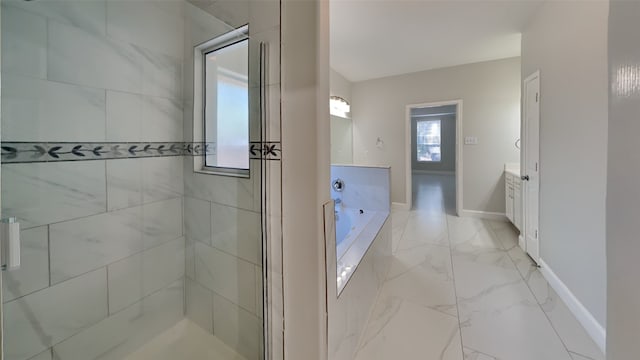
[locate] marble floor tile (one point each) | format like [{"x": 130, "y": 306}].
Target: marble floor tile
[
  {"x": 466, "y": 233},
  {"x": 424, "y": 229},
  {"x": 461, "y": 288},
  {"x": 424, "y": 276},
  {"x": 563, "y": 321},
  {"x": 401, "y": 329},
  {"x": 470, "y": 354}
]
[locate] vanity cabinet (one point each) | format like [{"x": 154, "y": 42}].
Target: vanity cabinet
[{"x": 513, "y": 198}]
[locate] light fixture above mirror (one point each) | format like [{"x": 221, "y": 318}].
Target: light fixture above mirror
[{"x": 339, "y": 107}]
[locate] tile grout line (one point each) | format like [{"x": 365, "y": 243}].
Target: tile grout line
[{"x": 455, "y": 290}]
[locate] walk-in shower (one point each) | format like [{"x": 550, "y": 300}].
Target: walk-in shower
[{"x": 137, "y": 241}]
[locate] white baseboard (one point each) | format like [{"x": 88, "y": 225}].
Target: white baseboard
[
  {"x": 488, "y": 215},
  {"x": 586, "y": 319},
  {"x": 433, "y": 172},
  {"x": 400, "y": 206}
]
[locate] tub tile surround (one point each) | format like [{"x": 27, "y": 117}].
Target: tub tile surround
[
  {"x": 365, "y": 204},
  {"x": 348, "y": 311},
  {"x": 505, "y": 308}
]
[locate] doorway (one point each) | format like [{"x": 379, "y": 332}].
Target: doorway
[{"x": 433, "y": 156}]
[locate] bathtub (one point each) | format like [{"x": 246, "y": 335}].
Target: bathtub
[
  {"x": 355, "y": 231},
  {"x": 349, "y": 225}
]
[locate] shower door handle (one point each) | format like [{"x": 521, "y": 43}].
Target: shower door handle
[{"x": 10, "y": 243}]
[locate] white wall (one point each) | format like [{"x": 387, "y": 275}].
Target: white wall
[
  {"x": 491, "y": 111},
  {"x": 623, "y": 196},
  {"x": 567, "y": 42},
  {"x": 305, "y": 174},
  {"x": 341, "y": 128}
]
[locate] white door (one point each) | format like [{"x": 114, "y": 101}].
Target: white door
[{"x": 530, "y": 169}]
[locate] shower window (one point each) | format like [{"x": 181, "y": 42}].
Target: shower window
[
  {"x": 428, "y": 140},
  {"x": 225, "y": 91}
]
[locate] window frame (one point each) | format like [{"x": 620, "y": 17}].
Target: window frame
[
  {"x": 418, "y": 144},
  {"x": 225, "y": 40}
]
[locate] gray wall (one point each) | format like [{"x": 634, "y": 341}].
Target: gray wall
[
  {"x": 623, "y": 196},
  {"x": 447, "y": 162},
  {"x": 567, "y": 42},
  {"x": 491, "y": 111}
]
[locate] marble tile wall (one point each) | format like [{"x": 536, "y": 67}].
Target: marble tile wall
[
  {"x": 132, "y": 243},
  {"x": 103, "y": 266}
]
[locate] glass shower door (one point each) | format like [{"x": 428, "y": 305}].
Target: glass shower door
[{"x": 127, "y": 251}]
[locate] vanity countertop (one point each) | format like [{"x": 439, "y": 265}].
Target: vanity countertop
[{"x": 513, "y": 169}]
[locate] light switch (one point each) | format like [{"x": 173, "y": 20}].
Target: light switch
[{"x": 471, "y": 140}]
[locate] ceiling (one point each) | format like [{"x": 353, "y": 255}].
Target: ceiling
[{"x": 377, "y": 38}]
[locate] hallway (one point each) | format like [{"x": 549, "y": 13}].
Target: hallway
[{"x": 461, "y": 288}]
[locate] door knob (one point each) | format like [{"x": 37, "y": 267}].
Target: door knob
[{"x": 524, "y": 177}]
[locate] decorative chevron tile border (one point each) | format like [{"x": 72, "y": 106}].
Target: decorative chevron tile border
[
  {"x": 27, "y": 152},
  {"x": 268, "y": 150}
]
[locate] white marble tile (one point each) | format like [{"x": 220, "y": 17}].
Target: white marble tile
[
  {"x": 35, "y": 322},
  {"x": 125, "y": 282},
  {"x": 423, "y": 275},
  {"x": 227, "y": 275},
  {"x": 120, "y": 334},
  {"x": 203, "y": 26},
  {"x": 74, "y": 56},
  {"x": 33, "y": 273},
  {"x": 144, "y": 273},
  {"x": 134, "y": 117},
  {"x": 222, "y": 190},
  {"x": 199, "y": 306},
  {"x": 498, "y": 313},
  {"x": 184, "y": 341},
  {"x": 197, "y": 220},
  {"x": 157, "y": 25},
  {"x": 470, "y": 354},
  {"x": 508, "y": 235},
  {"x": 424, "y": 229},
  {"x": 236, "y": 232},
  {"x": 237, "y": 327},
  {"x": 124, "y": 114},
  {"x": 573, "y": 335},
  {"x": 88, "y": 15},
  {"x": 162, "y": 222},
  {"x": 85, "y": 244},
  {"x": 45, "y": 193},
  {"x": 161, "y": 74},
  {"x": 124, "y": 183},
  {"x": 45, "y": 355},
  {"x": 38, "y": 110},
  {"x": 162, "y": 265},
  {"x": 234, "y": 13},
  {"x": 162, "y": 178},
  {"x": 575, "y": 356},
  {"x": 466, "y": 233},
  {"x": 400, "y": 329},
  {"x": 190, "y": 259},
  {"x": 24, "y": 43}
]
